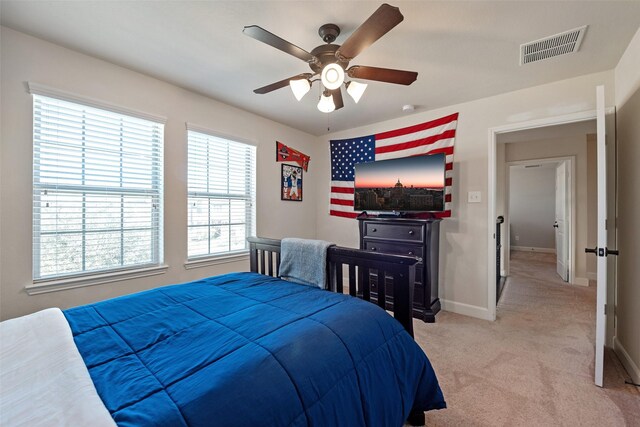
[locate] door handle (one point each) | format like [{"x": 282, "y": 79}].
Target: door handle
[{"x": 602, "y": 252}]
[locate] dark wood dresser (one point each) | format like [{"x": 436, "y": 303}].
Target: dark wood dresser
[{"x": 416, "y": 237}]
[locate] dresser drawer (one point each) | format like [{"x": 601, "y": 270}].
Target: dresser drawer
[
  {"x": 393, "y": 248},
  {"x": 409, "y": 232}
]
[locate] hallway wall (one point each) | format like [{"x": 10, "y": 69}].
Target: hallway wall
[{"x": 532, "y": 207}]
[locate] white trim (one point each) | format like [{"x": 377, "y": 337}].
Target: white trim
[
  {"x": 467, "y": 309},
  {"x": 632, "y": 369},
  {"x": 214, "y": 133},
  {"x": 532, "y": 249},
  {"x": 38, "y": 89},
  {"x": 209, "y": 261},
  {"x": 580, "y": 281},
  {"x": 492, "y": 227},
  {"x": 492, "y": 177},
  {"x": 43, "y": 287}
]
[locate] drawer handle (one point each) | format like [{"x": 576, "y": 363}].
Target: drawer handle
[
  {"x": 373, "y": 249},
  {"x": 410, "y": 252},
  {"x": 411, "y": 232},
  {"x": 373, "y": 230}
]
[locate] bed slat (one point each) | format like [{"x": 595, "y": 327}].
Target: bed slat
[
  {"x": 365, "y": 285},
  {"x": 382, "y": 285},
  {"x": 339, "y": 280},
  {"x": 353, "y": 290}
]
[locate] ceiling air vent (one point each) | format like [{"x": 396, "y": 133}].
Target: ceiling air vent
[{"x": 548, "y": 47}]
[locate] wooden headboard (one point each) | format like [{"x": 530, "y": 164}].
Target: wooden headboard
[{"x": 401, "y": 269}]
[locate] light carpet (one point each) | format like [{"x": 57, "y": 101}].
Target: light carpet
[{"x": 534, "y": 365}]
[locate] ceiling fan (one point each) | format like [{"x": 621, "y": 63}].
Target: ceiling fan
[{"x": 330, "y": 61}]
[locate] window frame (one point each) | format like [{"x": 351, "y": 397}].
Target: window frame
[
  {"x": 209, "y": 259},
  {"x": 75, "y": 279}
]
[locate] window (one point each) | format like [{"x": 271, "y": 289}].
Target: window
[
  {"x": 97, "y": 190},
  {"x": 221, "y": 186}
]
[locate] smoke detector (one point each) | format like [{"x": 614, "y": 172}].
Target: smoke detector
[{"x": 556, "y": 45}]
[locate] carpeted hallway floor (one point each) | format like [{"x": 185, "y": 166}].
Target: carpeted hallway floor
[{"x": 534, "y": 365}]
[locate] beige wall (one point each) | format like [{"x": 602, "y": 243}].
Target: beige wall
[
  {"x": 464, "y": 237},
  {"x": 627, "y": 75},
  {"x": 563, "y": 147},
  {"x": 27, "y": 59}
]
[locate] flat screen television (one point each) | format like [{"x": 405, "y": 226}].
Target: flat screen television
[{"x": 408, "y": 184}]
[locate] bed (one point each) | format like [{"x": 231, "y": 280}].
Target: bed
[{"x": 251, "y": 349}]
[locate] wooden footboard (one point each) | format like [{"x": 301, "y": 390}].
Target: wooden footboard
[{"x": 265, "y": 259}]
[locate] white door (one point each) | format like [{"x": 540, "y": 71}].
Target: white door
[
  {"x": 560, "y": 224},
  {"x": 601, "y": 297}
]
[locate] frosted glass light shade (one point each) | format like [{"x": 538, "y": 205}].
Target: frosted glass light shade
[
  {"x": 299, "y": 87},
  {"x": 332, "y": 76},
  {"x": 356, "y": 90},
  {"x": 326, "y": 104}
]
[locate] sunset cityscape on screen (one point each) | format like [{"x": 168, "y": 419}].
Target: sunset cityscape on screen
[{"x": 405, "y": 184}]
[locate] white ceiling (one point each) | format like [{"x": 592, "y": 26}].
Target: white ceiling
[{"x": 461, "y": 50}]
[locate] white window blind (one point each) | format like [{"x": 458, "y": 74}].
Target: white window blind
[
  {"x": 97, "y": 190},
  {"x": 221, "y": 187}
]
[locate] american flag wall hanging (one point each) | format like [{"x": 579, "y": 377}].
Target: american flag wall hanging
[{"x": 435, "y": 136}]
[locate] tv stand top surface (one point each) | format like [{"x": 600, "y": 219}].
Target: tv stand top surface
[
  {"x": 404, "y": 218},
  {"x": 392, "y": 215}
]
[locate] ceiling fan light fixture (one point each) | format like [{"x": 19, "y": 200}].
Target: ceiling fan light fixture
[
  {"x": 332, "y": 76},
  {"x": 299, "y": 87},
  {"x": 326, "y": 104},
  {"x": 356, "y": 90}
]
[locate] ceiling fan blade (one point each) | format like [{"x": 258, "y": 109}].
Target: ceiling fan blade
[
  {"x": 271, "y": 39},
  {"x": 281, "y": 83},
  {"x": 378, "y": 24},
  {"x": 337, "y": 98},
  {"x": 386, "y": 75}
]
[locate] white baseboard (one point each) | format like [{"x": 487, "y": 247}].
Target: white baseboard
[
  {"x": 627, "y": 362},
  {"x": 532, "y": 249},
  {"x": 580, "y": 281},
  {"x": 592, "y": 276},
  {"x": 465, "y": 309}
]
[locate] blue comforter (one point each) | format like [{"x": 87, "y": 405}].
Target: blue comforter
[{"x": 248, "y": 349}]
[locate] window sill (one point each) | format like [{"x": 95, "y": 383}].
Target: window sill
[
  {"x": 42, "y": 287},
  {"x": 221, "y": 259}
]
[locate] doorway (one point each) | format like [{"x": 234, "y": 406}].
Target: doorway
[
  {"x": 528, "y": 142},
  {"x": 539, "y": 211},
  {"x": 496, "y": 176}
]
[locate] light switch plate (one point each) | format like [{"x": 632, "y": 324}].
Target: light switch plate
[{"x": 474, "y": 197}]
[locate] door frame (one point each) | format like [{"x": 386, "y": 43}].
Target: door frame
[
  {"x": 492, "y": 180},
  {"x": 570, "y": 162}
]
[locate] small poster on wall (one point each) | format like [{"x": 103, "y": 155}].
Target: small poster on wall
[{"x": 291, "y": 183}]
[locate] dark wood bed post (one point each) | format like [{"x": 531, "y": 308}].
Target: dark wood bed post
[{"x": 264, "y": 258}]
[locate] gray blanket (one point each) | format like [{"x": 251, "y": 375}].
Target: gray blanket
[{"x": 304, "y": 261}]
